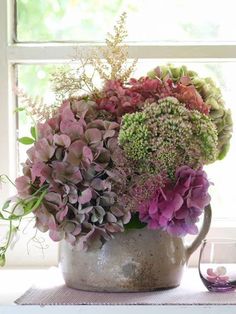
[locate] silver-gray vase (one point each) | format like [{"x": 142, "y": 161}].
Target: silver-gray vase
[{"x": 135, "y": 260}]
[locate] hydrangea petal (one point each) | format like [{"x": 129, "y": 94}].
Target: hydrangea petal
[{"x": 85, "y": 196}]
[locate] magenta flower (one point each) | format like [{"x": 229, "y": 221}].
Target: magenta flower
[
  {"x": 176, "y": 208},
  {"x": 193, "y": 185}
]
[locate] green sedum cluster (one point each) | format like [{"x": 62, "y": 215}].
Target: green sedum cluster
[
  {"x": 211, "y": 95},
  {"x": 135, "y": 130},
  {"x": 166, "y": 135}
]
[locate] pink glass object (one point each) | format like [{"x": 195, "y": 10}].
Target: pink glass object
[{"x": 217, "y": 265}]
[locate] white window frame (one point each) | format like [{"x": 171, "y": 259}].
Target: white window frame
[{"x": 12, "y": 53}]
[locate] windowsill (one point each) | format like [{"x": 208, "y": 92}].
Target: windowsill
[{"x": 14, "y": 282}]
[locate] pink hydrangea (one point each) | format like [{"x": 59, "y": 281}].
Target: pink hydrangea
[
  {"x": 73, "y": 160},
  {"x": 118, "y": 98},
  {"x": 176, "y": 208}
]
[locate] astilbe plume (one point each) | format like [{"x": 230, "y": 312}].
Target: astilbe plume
[
  {"x": 176, "y": 207},
  {"x": 73, "y": 159}
]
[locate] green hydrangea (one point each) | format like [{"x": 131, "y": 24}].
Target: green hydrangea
[
  {"x": 167, "y": 135},
  {"x": 211, "y": 95},
  {"x": 221, "y": 116}
]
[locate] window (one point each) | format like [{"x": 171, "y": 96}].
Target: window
[{"x": 37, "y": 35}]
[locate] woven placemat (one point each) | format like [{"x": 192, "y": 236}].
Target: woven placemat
[{"x": 52, "y": 291}]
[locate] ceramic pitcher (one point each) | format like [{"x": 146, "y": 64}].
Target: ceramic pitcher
[{"x": 135, "y": 260}]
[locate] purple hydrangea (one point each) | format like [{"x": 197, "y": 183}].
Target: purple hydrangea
[
  {"x": 176, "y": 208},
  {"x": 75, "y": 158}
]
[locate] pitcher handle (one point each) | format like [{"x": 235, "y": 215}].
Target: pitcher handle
[{"x": 203, "y": 232}]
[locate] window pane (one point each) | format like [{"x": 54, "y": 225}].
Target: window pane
[
  {"x": 35, "y": 80},
  {"x": 148, "y": 20}
]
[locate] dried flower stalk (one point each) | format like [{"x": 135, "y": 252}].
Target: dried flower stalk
[
  {"x": 35, "y": 107},
  {"x": 71, "y": 82},
  {"x": 109, "y": 62}
]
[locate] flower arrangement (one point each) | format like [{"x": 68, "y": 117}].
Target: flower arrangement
[{"x": 127, "y": 155}]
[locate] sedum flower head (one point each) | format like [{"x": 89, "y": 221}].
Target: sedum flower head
[
  {"x": 167, "y": 135},
  {"x": 135, "y": 130},
  {"x": 212, "y": 97}
]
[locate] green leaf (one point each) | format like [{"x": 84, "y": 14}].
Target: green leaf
[
  {"x": 135, "y": 223},
  {"x": 29, "y": 206},
  {"x": 2, "y": 260},
  {"x": 224, "y": 150},
  {"x": 26, "y": 140},
  {"x": 19, "y": 109},
  {"x": 39, "y": 201},
  {"x": 33, "y": 132},
  {"x": 6, "y": 205}
]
